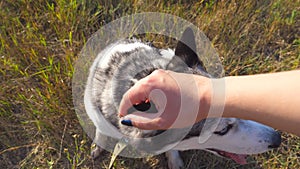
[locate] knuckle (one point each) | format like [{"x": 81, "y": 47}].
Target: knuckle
[
  {"x": 159, "y": 72},
  {"x": 146, "y": 84},
  {"x": 149, "y": 81},
  {"x": 158, "y": 76}
]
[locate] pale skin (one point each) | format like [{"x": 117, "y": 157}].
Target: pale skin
[{"x": 272, "y": 99}]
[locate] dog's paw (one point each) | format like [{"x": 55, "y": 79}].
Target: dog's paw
[
  {"x": 96, "y": 152},
  {"x": 174, "y": 160}
]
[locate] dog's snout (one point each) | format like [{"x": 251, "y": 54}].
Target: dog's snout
[{"x": 276, "y": 141}]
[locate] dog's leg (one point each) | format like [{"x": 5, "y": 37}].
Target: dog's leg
[
  {"x": 97, "y": 149},
  {"x": 174, "y": 159}
]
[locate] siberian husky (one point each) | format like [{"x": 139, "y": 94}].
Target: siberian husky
[{"x": 115, "y": 74}]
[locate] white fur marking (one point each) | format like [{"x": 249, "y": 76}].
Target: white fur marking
[
  {"x": 121, "y": 48},
  {"x": 168, "y": 54}
]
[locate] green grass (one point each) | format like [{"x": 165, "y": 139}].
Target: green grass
[{"x": 40, "y": 41}]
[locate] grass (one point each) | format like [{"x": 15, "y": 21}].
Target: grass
[{"x": 41, "y": 39}]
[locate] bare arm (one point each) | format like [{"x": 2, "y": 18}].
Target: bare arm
[{"x": 272, "y": 99}]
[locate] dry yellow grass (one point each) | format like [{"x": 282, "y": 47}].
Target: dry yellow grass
[{"x": 40, "y": 40}]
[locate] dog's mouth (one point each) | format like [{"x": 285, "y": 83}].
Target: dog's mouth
[{"x": 238, "y": 158}]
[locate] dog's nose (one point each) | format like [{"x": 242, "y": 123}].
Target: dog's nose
[{"x": 276, "y": 141}]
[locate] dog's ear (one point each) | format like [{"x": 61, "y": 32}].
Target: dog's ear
[{"x": 186, "y": 49}]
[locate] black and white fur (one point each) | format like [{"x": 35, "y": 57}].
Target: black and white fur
[{"x": 114, "y": 72}]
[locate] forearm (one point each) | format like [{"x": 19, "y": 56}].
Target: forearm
[{"x": 271, "y": 99}]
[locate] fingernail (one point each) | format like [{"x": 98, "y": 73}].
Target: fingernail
[{"x": 126, "y": 122}]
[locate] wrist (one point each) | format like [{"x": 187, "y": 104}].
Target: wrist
[
  {"x": 213, "y": 99},
  {"x": 234, "y": 94},
  {"x": 205, "y": 95}
]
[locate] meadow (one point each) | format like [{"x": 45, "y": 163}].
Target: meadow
[{"x": 40, "y": 41}]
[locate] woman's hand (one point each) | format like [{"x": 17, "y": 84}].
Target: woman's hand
[{"x": 175, "y": 96}]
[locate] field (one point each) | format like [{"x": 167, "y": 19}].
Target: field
[{"x": 40, "y": 41}]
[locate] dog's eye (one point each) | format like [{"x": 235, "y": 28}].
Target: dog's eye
[{"x": 224, "y": 130}]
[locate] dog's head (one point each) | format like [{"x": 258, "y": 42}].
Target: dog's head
[{"x": 231, "y": 138}]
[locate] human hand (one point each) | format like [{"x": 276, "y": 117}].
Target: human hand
[{"x": 176, "y": 96}]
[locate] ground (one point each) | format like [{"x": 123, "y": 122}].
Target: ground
[{"x": 40, "y": 40}]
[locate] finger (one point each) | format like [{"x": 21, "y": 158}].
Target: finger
[
  {"x": 150, "y": 125},
  {"x": 137, "y": 94},
  {"x": 124, "y": 105}
]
